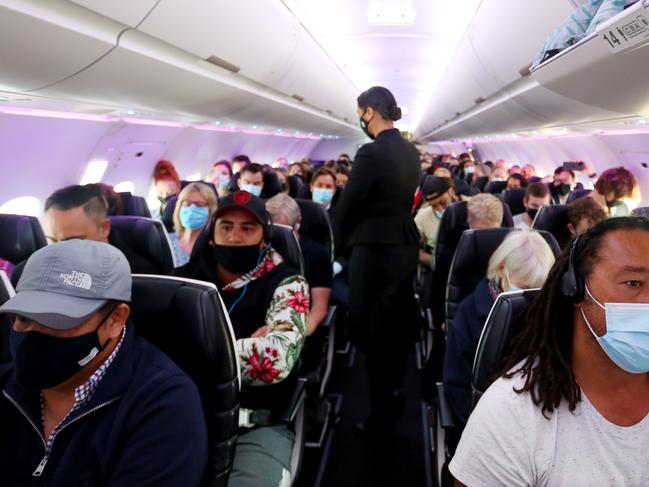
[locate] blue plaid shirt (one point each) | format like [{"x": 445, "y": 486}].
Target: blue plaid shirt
[{"x": 83, "y": 393}]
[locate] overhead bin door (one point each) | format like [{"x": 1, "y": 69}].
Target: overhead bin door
[{"x": 127, "y": 12}]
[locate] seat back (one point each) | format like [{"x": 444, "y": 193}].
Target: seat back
[
  {"x": 134, "y": 205},
  {"x": 503, "y": 323},
  {"x": 284, "y": 241},
  {"x": 272, "y": 185},
  {"x": 579, "y": 193},
  {"x": 495, "y": 187},
  {"x": 641, "y": 211},
  {"x": 554, "y": 219},
  {"x": 6, "y": 292},
  {"x": 186, "y": 319},
  {"x": 514, "y": 199},
  {"x": 316, "y": 223},
  {"x": 294, "y": 185},
  {"x": 144, "y": 242},
  {"x": 20, "y": 237}
]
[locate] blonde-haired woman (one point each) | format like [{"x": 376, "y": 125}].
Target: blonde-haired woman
[
  {"x": 522, "y": 261},
  {"x": 194, "y": 209}
]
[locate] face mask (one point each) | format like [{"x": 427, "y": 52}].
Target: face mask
[
  {"x": 512, "y": 286},
  {"x": 323, "y": 195},
  {"x": 439, "y": 213},
  {"x": 496, "y": 179},
  {"x": 627, "y": 334},
  {"x": 563, "y": 189},
  {"x": 224, "y": 181},
  {"x": 193, "y": 217},
  {"x": 531, "y": 212},
  {"x": 44, "y": 361},
  {"x": 364, "y": 126},
  {"x": 252, "y": 189},
  {"x": 238, "y": 259},
  {"x": 469, "y": 170}
]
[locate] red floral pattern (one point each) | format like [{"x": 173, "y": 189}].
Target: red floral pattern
[
  {"x": 299, "y": 302},
  {"x": 262, "y": 368}
]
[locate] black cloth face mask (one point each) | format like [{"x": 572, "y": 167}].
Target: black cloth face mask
[
  {"x": 364, "y": 127},
  {"x": 562, "y": 189},
  {"x": 531, "y": 212},
  {"x": 238, "y": 259},
  {"x": 44, "y": 361}
]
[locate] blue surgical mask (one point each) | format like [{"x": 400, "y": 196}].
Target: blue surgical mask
[
  {"x": 439, "y": 213},
  {"x": 323, "y": 195},
  {"x": 512, "y": 286},
  {"x": 224, "y": 181},
  {"x": 469, "y": 170},
  {"x": 252, "y": 189},
  {"x": 496, "y": 179},
  {"x": 193, "y": 217},
  {"x": 626, "y": 341}
]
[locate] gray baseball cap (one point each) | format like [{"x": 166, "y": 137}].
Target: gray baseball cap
[{"x": 63, "y": 284}]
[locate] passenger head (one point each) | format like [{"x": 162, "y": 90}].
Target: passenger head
[
  {"x": 342, "y": 176},
  {"x": 442, "y": 172},
  {"x": 77, "y": 212},
  {"x": 484, "y": 211},
  {"x": 516, "y": 181},
  {"x": 166, "y": 179},
  {"x": 439, "y": 193},
  {"x": 522, "y": 261},
  {"x": 323, "y": 186},
  {"x": 221, "y": 174},
  {"x": 344, "y": 157},
  {"x": 482, "y": 171},
  {"x": 611, "y": 260},
  {"x": 194, "y": 208},
  {"x": 295, "y": 169},
  {"x": 281, "y": 175},
  {"x": 239, "y": 162},
  {"x": 617, "y": 184},
  {"x": 468, "y": 166},
  {"x": 529, "y": 171},
  {"x": 377, "y": 109},
  {"x": 68, "y": 289},
  {"x": 536, "y": 196},
  {"x": 251, "y": 179},
  {"x": 498, "y": 174},
  {"x": 563, "y": 180},
  {"x": 281, "y": 162},
  {"x": 501, "y": 164},
  {"x": 583, "y": 214},
  {"x": 515, "y": 169},
  {"x": 284, "y": 210}
]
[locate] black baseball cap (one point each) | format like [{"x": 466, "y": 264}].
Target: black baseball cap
[
  {"x": 245, "y": 201},
  {"x": 435, "y": 185}
]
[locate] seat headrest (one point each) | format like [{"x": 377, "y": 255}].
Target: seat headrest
[
  {"x": 186, "y": 319},
  {"x": 554, "y": 219},
  {"x": 20, "y": 237},
  {"x": 502, "y": 325},
  {"x": 144, "y": 242},
  {"x": 315, "y": 221},
  {"x": 285, "y": 242},
  {"x": 134, "y": 205},
  {"x": 514, "y": 199},
  {"x": 495, "y": 187},
  {"x": 294, "y": 185},
  {"x": 272, "y": 185}
]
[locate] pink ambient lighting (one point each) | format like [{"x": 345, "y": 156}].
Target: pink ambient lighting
[
  {"x": 37, "y": 112},
  {"x": 525, "y": 138}
]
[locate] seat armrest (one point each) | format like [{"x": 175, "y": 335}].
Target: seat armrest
[
  {"x": 299, "y": 394},
  {"x": 445, "y": 414}
]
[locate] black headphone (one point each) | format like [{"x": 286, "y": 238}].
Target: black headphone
[
  {"x": 572, "y": 284},
  {"x": 268, "y": 230}
]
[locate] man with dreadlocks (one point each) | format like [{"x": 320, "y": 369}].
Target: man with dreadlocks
[{"x": 572, "y": 407}]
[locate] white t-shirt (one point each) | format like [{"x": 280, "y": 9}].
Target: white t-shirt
[
  {"x": 508, "y": 442},
  {"x": 521, "y": 222}
]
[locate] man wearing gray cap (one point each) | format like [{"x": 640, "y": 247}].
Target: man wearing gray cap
[{"x": 85, "y": 401}]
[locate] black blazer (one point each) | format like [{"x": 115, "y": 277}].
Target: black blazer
[{"x": 376, "y": 205}]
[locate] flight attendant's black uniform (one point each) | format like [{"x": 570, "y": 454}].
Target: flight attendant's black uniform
[{"x": 375, "y": 226}]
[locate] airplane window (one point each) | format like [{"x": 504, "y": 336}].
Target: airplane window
[
  {"x": 24, "y": 205},
  {"x": 194, "y": 177},
  {"x": 125, "y": 187},
  {"x": 94, "y": 172}
]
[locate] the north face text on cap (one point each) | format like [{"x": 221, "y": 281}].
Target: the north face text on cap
[{"x": 77, "y": 279}]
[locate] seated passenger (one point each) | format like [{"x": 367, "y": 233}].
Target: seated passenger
[
  {"x": 563, "y": 183},
  {"x": 484, "y": 211},
  {"x": 194, "y": 209},
  {"x": 251, "y": 179},
  {"x": 221, "y": 176},
  {"x": 536, "y": 196},
  {"x": 522, "y": 261},
  {"x": 498, "y": 174},
  {"x": 516, "y": 181},
  {"x": 317, "y": 258},
  {"x": 442, "y": 172},
  {"x": 572, "y": 407},
  {"x": 283, "y": 179},
  {"x": 239, "y": 162},
  {"x": 515, "y": 169},
  {"x": 166, "y": 181},
  {"x": 342, "y": 176},
  {"x": 268, "y": 303},
  {"x": 295, "y": 169},
  {"x": 323, "y": 187},
  {"x": 86, "y": 401},
  {"x": 583, "y": 214},
  {"x": 439, "y": 195},
  {"x": 529, "y": 171},
  {"x": 613, "y": 187}
]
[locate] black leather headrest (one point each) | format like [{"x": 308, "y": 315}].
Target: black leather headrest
[
  {"x": 294, "y": 185},
  {"x": 272, "y": 185},
  {"x": 554, "y": 219},
  {"x": 514, "y": 199},
  {"x": 134, "y": 205},
  {"x": 20, "y": 237},
  {"x": 144, "y": 242},
  {"x": 285, "y": 242},
  {"x": 167, "y": 215},
  {"x": 503, "y": 324},
  {"x": 495, "y": 187},
  {"x": 6, "y": 291},
  {"x": 187, "y": 321}
]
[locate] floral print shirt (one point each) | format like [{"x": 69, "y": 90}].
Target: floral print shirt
[{"x": 270, "y": 359}]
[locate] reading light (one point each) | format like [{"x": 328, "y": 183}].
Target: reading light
[{"x": 391, "y": 12}]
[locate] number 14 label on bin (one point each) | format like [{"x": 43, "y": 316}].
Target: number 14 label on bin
[{"x": 626, "y": 33}]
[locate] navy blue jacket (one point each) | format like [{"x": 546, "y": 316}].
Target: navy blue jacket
[
  {"x": 461, "y": 345},
  {"x": 144, "y": 425}
]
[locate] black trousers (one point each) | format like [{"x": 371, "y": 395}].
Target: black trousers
[{"x": 384, "y": 318}]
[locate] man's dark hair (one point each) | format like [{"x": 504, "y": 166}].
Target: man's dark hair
[
  {"x": 586, "y": 208},
  {"x": 561, "y": 169},
  {"x": 521, "y": 179},
  {"x": 324, "y": 171},
  {"x": 253, "y": 167},
  {"x": 542, "y": 351},
  {"x": 537, "y": 190},
  {"x": 241, "y": 158},
  {"x": 381, "y": 100},
  {"x": 89, "y": 197}
]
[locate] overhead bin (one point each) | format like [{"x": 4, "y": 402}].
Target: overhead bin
[
  {"x": 260, "y": 38},
  {"x": 127, "y": 12},
  {"x": 609, "y": 69},
  {"x": 43, "y": 42}
]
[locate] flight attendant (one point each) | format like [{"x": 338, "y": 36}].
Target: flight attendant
[{"x": 375, "y": 228}]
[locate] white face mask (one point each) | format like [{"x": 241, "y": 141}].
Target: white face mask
[{"x": 512, "y": 286}]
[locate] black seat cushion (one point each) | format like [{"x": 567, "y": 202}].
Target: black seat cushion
[
  {"x": 20, "y": 237},
  {"x": 514, "y": 199},
  {"x": 284, "y": 241},
  {"x": 503, "y": 324},
  {"x": 554, "y": 219},
  {"x": 134, "y": 205},
  {"x": 187, "y": 321},
  {"x": 144, "y": 242}
]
